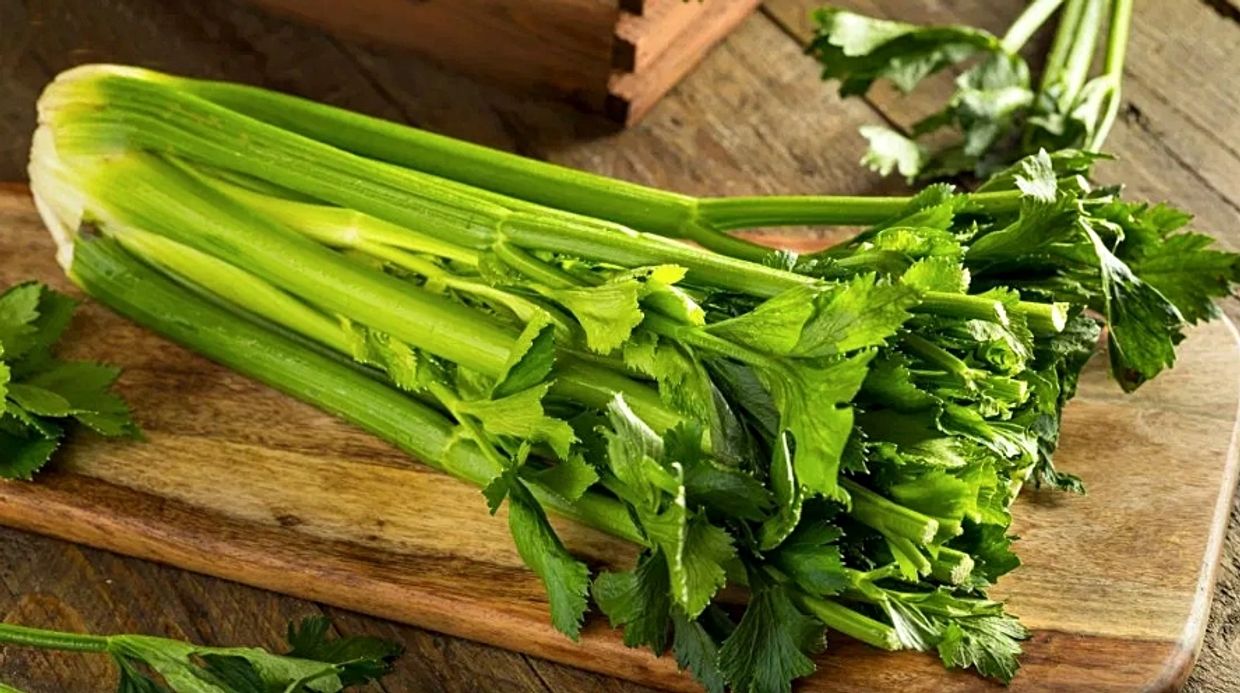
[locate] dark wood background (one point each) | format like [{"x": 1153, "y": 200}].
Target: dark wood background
[{"x": 752, "y": 118}]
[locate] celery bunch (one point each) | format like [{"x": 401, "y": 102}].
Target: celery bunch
[{"x": 841, "y": 433}]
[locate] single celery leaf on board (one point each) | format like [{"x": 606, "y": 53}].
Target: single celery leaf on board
[
  {"x": 39, "y": 393},
  {"x": 315, "y": 662}
]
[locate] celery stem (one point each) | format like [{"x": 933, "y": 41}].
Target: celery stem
[
  {"x": 1117, "y": 47},
  {"x": 888, "y": 517},
  {"x": 1065, "y": 33},
  {"x": 1081, "y": 55},
  {"x": 11, "y": 634},
  {"x": 951, "y": 566},
  {"x": 852, "y": 623},
  {"x": 1029, "y": 21},
  {"x": 962, "y": 306}
]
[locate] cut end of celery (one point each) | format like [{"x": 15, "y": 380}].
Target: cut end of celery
[
  {"x": 59, "y": 204},
  {"x": 962, "y": 570},
  {"x": 1059, "y": 316}
]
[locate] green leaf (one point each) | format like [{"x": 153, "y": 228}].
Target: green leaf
[
  {"x": 1035, "y": 177},
  {"x": 522, "y": 415},
  {"x": 890, "y": 151},
  {"x": 775, "y": 326},
  {"x": 933, "y": 207},
  {"x": 810, "y": 557},
  {"x": 789, "y": 498},
  {"x": 531, "y": 361},
  {"x": 21, "y": 457},
  {"x": 85, "y": 387},
  {"x": 609, "y": 312},
  {"x": 638, "y": 600},
  {"x": 858, "y": 50},
  {"x": 862, "y": 313},
  {"x": 1144, "y": 326},
  {"x": 385, "y": 352},
  {"x": 134, "y": 681},
  {"x": 769, "y": 648},
  {"x": 682, "y": 379},
  {"x": 966, "y": 631},
  {"x": 813, "y": 406},
  {"x": 566, "y": 579},
  {"x": 55, "y": 313},
  {"x": 696, "y": 552},
  {"x": 5, "y": 377},
  {"x": 808, "y": 322},
  {"x": 990, "y": 645},
  {"x": 358, "y": 659},
  {"x": 23, "y": 422},
  {"x": 1189, "y": 273},
  {"x": 234, "y": 674},
  {"x": 944, "y": 274},
  {"x": 633, "y": 451},
  {"x": 40, "y": 401},
  {"x": 697, "y": 650},
  {"x": 568, "y": 478},
  {"x": 19, "y": 309},
  {"x": 991, "y": 549},
  {"x": 724, "y": 490},
  {"x": 890, "y": 383},
  {"x": 936, "y": 493}
]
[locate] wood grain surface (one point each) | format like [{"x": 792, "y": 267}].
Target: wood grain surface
[{"x": 751, "y": 118}]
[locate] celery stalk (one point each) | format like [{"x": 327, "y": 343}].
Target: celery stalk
[{"x": 105, "y": 270}]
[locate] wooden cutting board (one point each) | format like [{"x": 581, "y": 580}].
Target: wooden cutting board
[{"x": 244, "y": 483}]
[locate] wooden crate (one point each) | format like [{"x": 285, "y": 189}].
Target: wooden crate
[{"x": 614, "y": 56}]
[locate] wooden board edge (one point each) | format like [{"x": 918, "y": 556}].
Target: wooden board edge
[
  {"x": 1178, "y": 667},
  {"x": 173, "y": 533},
  {"x": 214, "y": 552},
  {"x": 630, "y": 95}
]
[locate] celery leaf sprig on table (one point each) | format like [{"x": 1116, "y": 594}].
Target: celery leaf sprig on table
[
  {"x": 40, "y": 395},
  {"x": 997, "y": 114},
  {"x": 314, "y": 662},
  {"x": 841, "y": 433}
]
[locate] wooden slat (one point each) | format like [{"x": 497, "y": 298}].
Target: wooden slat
[
  {"x": 560, "y": 47},
  {"x": 641, "y": 39},
  {"x": 630, "y": 95}
]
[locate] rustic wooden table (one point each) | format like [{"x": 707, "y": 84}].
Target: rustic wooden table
[{"x": 752, "y": 118}]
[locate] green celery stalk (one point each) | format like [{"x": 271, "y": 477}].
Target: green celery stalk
[
  {"x": 92, "y": 107},
  {"x": 139, "y": 192},
  {"x": 513, "y": 176},
  {"x": 1029, "y": 21}
]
